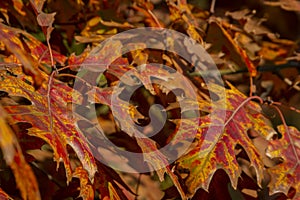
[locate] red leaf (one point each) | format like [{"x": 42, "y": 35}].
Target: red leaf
[
  {"x": 86, "y": 189},
  {"x": 287, "y": 173},
  {"x": 51, "y": 122},
  {"x": 216, "y": 142}
]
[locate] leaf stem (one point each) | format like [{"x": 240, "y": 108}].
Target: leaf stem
[
  {"x": 287, "y": 130},
  {"x": 49, "y": 100},
  {"x": 241, "y": 105}
]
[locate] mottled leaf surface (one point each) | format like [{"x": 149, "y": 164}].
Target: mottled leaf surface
[
  {"x": 217, "y": 140},
  {"x": 53, "y": 121},
  {"x": 287, "y": 173}
]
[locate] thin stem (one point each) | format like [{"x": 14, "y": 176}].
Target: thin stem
[
  {"x": 287, "y": 131},
  {"x": 212, "y": 6},
  {"x": 288, "y": 107},
  {"x": 137, "y": 186},
  {"x": 241, "y": 105},
  {"x": 49, "y": 100},
  {"x": 154, "y": 18},
  {"x": 74, "y": 76}
]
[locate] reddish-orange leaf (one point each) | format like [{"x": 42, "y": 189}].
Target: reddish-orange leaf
[
  {"x": 50, "y": 116},
  {"x": 13, "y": 156},
  {"x": 14, "y": 44},
  {"x": 151, "y": 155},
  {"x": 218, "y": 138},
  {"x": 106, "y": 180},
  {"x": 220, "y": 37},
  {"x": 4, "y": 196},
  {"x": 287, "y": 173},
  {"x": 86, "y": 188}
]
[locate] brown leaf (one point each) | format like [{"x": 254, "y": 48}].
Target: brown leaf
[
  {"x": 290, "y": 5},
  {"x": 222, "y": 40}
]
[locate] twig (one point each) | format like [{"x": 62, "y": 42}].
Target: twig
[{"x": 212, "y": 6}]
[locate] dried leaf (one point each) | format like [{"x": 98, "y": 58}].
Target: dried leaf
[
  {"x": 223, "y": 40},
  {"x": 290, "y": 5},
  {"x": 45, "y": 20},
  {"x": 38, "y": 5},
  {"x": 183, "y": 12}
]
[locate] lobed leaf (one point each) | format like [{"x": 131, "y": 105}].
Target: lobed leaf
[
  {"x": 25, "y": 179},
  {"x": 50, "y": 117},
  {"x": 216, "y": 143},
  {"x": 286, "y": 174}
]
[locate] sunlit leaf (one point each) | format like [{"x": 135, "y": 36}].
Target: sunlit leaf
[
  {"x": 217, "y": 143},
  {"x": 14, "y": 44},
  {"x": 50, "y": 118},
  {"x": 290, "y": 5}
]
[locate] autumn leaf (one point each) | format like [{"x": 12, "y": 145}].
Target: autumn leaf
[
  {"x": 45, "y": 20},
  {"x": 50, "y": 117},
  {"x": 216, "y": 142},
  {"x": 289, "y": 5},
  {"x": 223, "y": 40},
  {"x": 286, "y": 174},
  {"x": 4, "y": 196},
  {"x": 13, "y": 156},
  {"x": 14, "y": 44},
  {"x": 87, "y": 190},
  {"x": 182, "y": 11}
]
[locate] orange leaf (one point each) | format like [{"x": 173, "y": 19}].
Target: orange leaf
[
  {"x": 13, "y": 43},
  {"x": 221, "y": 38},
  {"x": 86, "y": 189},
  {"x": 51, "y": 122},
  {"x": 13, "y": 156}
]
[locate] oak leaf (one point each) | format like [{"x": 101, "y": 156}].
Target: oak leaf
[
  {"x": 50, "y": 117},
  {"x": 217, "y": 140},
  {"x": 287, "y": 173},
  {"x": 25, "y": 179}
]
